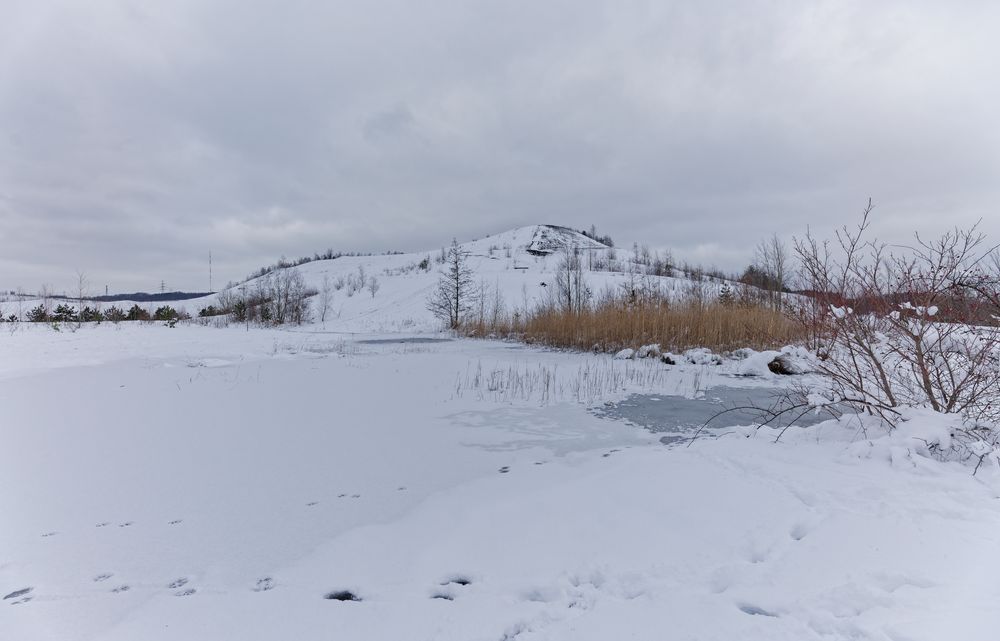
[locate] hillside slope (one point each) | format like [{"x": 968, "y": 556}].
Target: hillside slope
[{"x": 517, "y": 267}]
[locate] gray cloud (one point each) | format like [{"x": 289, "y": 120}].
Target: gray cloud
[{"x": 135, "y": 137}]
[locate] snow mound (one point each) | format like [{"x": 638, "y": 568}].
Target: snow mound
[{"x": 789, "y": 360}]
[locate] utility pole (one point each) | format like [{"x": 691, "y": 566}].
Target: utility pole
[{"x": 210, "y": 271}]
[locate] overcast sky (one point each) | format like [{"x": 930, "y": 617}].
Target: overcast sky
[{"x": 135, "y": 137}]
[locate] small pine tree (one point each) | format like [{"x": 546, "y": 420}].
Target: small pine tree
[
  {"x": 136, "y": 313},
  {"x": 90, "y": 315},
  {"x": 38, "y": 314},
  {"x": 114, "y": 314},
  {"x": 64, "y": 313},
  {"x": 165, "y": 313},
  {"x": 726, "y": 296}
]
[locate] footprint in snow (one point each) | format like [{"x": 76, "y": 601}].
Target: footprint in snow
[
  {"x": 504, "y": 469},
  {"x": 400, "y": 488},
  {"x": 264, "y": 584},
  {"x": 102, "y": 577},
  {"x": 799, "y": 531},
  {"x": 176, "y": 522},
  {"x": 125, "y": 524},
  {"x": 754, "y": 610},
  {"x": 312, "y": 503},
  {"x": 48, "y": 534},
  {"x": 19, "y": 596},
  {"x": 177, "y": 583},
  {"x": 355, "y": 496},
  {"x": 104, "y": 524},
  {"x": 187, "y": 592},
  {"x": 340, "y": 496},
  {"x": 457, "y": 579},
  {"x": 120, "y": 589}
]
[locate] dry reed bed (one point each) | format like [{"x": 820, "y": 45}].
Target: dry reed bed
[{"x": 612, "y": 326}]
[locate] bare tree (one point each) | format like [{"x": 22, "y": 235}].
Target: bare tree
[
  {"x": 455, "y": 291},
  {"x": 572, "y": 291},
  {"x": 81, "y": 293},
  {"x": 325, "y": 298},
  {"x": 771, "y": 258},
  {"x": 46, "y": 296},
  {"x": 373, "y": 285}
]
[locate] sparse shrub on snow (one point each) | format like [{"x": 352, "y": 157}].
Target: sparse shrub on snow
[
  {"x": 912, "y": 327},
  {"x": 115, "y": 314}
]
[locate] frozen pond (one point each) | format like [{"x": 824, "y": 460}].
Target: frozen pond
[
  {"x": 679, "y": 417},
  {"x": 411, "y": 340}
]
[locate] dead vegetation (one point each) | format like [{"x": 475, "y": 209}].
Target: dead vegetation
[{"x": 613, "y": 324}]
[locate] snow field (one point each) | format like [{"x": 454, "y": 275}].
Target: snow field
[{"x": 201, "y": 483}]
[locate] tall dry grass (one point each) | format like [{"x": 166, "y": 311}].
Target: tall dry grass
[{"x": 611, "y": 325}]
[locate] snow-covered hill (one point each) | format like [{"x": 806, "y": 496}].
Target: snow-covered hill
[
  {"x": 515, "y": 267},
  {"x": 520, "y": 264}
]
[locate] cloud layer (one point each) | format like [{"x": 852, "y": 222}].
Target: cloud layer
[{"x": 136, "y": 137}]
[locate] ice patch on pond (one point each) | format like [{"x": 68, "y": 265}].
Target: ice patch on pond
[
  {"x": 679, "y": 418},
  {"x": 411, "y": 340}
]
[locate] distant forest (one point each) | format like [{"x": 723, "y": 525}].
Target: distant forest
[{"x": 139, "y": 297}]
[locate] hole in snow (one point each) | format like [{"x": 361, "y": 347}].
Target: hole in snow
[{"x": 342, "y": 595}]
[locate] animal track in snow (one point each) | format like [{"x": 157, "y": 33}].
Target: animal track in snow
[
  {"x": 120, "y": 589},
  {"x": 187, "y": 592},
  {"x": 176, "y": 522},
  {"x": 504, "y": 469},
  {"x": 48, "y": 534},
  {"x": 125, "y": 524},
  {"x": 177, "y": 583},
  {"x": 312, "y": 503},
  {"x": 102, "y": 577},
  {"x": 264, "y": 584},
  {"x": 104, "y": 524},
  {"x": 341, "y": 595},
  {"x": 457, "y": 579}
]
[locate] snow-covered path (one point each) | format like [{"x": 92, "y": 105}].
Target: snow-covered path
[{"x": 199, "y": 483}]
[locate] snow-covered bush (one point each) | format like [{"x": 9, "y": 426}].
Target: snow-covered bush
[{"x": 912, "y": 327}]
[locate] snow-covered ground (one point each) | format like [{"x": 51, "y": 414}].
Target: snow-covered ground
[{"x": 201, "y": 483}]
